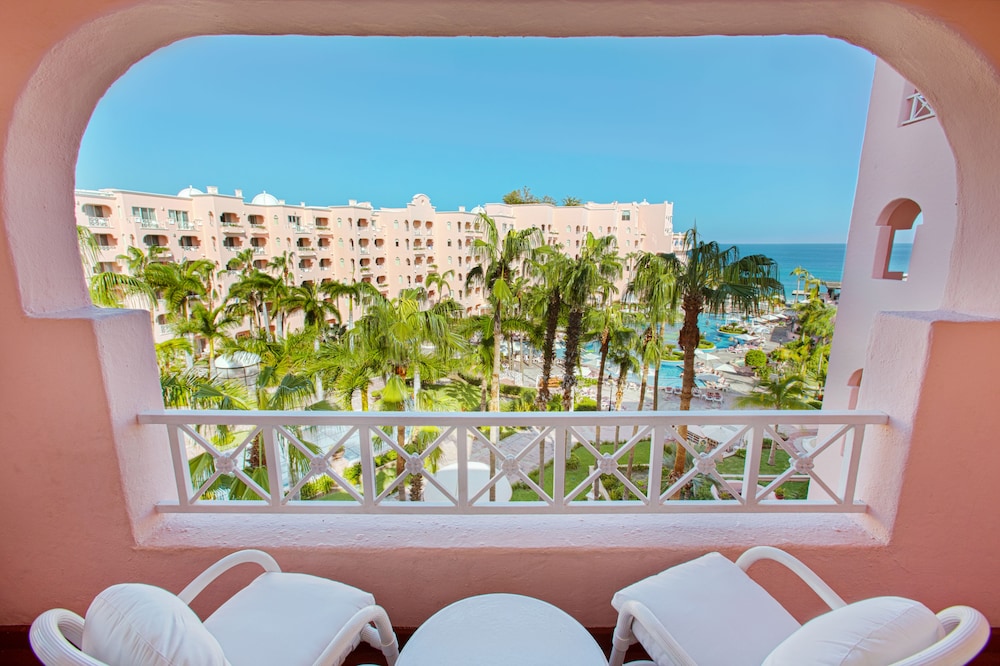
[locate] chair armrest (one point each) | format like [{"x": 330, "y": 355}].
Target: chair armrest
[
  {"x": 55, "y": 636},
  {"x": 195, "y": 587},
  {"x": 637, "y": 611},
  {"x": 968, "y": 630},
  {"x": 382, "y": 637},
  {"x": 793, "y": 564}
]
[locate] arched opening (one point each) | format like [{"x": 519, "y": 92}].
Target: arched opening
[
  {"x": 897, "y": 224},
  {"x": 43, "y": 135}
]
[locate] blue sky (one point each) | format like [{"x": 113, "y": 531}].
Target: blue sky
[{"x": 756, "y": 138}]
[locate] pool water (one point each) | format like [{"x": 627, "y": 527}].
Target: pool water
[{"x": 670, "y": 371}]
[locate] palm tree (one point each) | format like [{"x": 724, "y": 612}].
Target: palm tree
[
  {"x": 136, "y": 260},
  {"x": 356, "y": 292},
  {"x": 242, "y": 262},
  {"x": 400, "y": 337},
  {"x": 788, "y": 392},
  {"x": 621, "y": 352},
  {"x": 113, "y": 290},
  {"x": 211, "y": 324},
  {"x": 181, "y": 284},
  {"x": 800, "y": 274},
  {"x": 498, "y": 265},
  {"x": 315, "y": 305},
  {"x": 712, "y": 279},
  {"x": 589, "y": 281},
  {"x": 650, "y": 287},
  {"x": 440, "y": 280},
  {"x": 545, "y": 303}
]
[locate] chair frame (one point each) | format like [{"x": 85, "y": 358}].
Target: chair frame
[
  {"x": 968, "y": 630},
  {"x": 57, "y": 634}
]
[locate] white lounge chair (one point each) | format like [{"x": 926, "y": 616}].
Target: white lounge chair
[
  {"x": 709, "y": 612},
  {"x": 279, "y": 618}
]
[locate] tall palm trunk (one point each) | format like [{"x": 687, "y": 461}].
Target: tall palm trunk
[
  {"x": 549, "y": 350},
  {"x": 495, "y": 395},
  {"x": 619, "y": 398},
  {"x": 688, "y": 339},
  {"x": 605, "y": 346},
  {"x": 647, "y": 337},
  {"x": 574, "y": 330}
]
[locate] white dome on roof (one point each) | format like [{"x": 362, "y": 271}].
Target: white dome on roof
[
  {"x": 189, "y": 191},
  {"x": 265, "y": 199}
]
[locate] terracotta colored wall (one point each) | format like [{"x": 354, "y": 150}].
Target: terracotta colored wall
[{"x": 80, "y": 479}]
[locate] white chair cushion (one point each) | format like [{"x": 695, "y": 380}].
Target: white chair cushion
[
  {"x": 714, "y": 610},
  {"x": 140, "y": 625},
  {"x": 873, "y": 632},
  {"x": 285, "y": 618}
]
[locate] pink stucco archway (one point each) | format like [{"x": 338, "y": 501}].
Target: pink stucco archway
[{"x": 61, "y": 80}]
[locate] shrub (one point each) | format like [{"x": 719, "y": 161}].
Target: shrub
[
  {"x": 322, "y": 485},
  {"x": 586, "y": 405},
  {"x": 353, "y": 473},
  {"x": 755, "y": 359}
]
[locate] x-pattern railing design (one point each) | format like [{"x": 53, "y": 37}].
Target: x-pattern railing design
[{"x": 278, "y": 437}]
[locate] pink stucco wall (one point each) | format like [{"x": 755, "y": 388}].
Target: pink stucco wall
[{"x": 80, "y": 478}]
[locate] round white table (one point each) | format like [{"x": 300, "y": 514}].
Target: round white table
[{"x": 500, "y": 630}]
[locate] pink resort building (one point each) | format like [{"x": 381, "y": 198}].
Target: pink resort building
[
  {"x": 392, "y": 248},
  {"x": 92, "y": 495}
]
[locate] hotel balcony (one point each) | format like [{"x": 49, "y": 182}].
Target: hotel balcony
[
  {"x": 91, "y": 453},
  {"x": 99, "y": 221},
  {"x": 148, "y": 224}
]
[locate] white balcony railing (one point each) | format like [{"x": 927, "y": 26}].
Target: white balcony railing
[
  {"x": 147, "y": 224},
  {"x": 99, "y": 221},
  {"x": 341, "y": 457}
]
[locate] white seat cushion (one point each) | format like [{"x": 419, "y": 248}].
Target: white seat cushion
[
  {"x": 141, "y": 625},
  {"x": 285, "y": 618},
  {"x": 873, "y": 632},
  {"x": 714, "y": 610}
]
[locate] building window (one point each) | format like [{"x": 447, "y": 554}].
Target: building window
[
  {"x": 340, "y": 242},
  {"x": 294, "y": 220},
  {"x": 395, "y": 224},
  {"x": 626, "y": 215},
  {"x": 896, "y": 239},
  {"x": 91, "y": 210},
  {"x": 397, "y": 261},
  {"x": 341, "y": 261},
  {"x": 449, "y": 224},
  {"x": 449, "y": 260},
  {"x": 449, "y": 242},
  {"x": 144, "y": 214}
]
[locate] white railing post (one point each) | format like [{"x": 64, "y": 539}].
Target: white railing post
[
  {"x": 559, "y": 453},
  {"x": 657, "y": 440},
  {"x": 751, "y": 471},
  {"x": 462, "y": 453},
  {"x": 272, "y": 454},
  {"x": 182, "y": 472},
  {"x": 368, "y": 485},
  {"x": 850, "y": 463}
]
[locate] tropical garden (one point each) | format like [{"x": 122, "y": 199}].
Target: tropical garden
[{"x": 345, "y": 346}]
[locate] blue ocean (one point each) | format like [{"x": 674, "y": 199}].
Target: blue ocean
[{"x": 823, "y": 260}]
